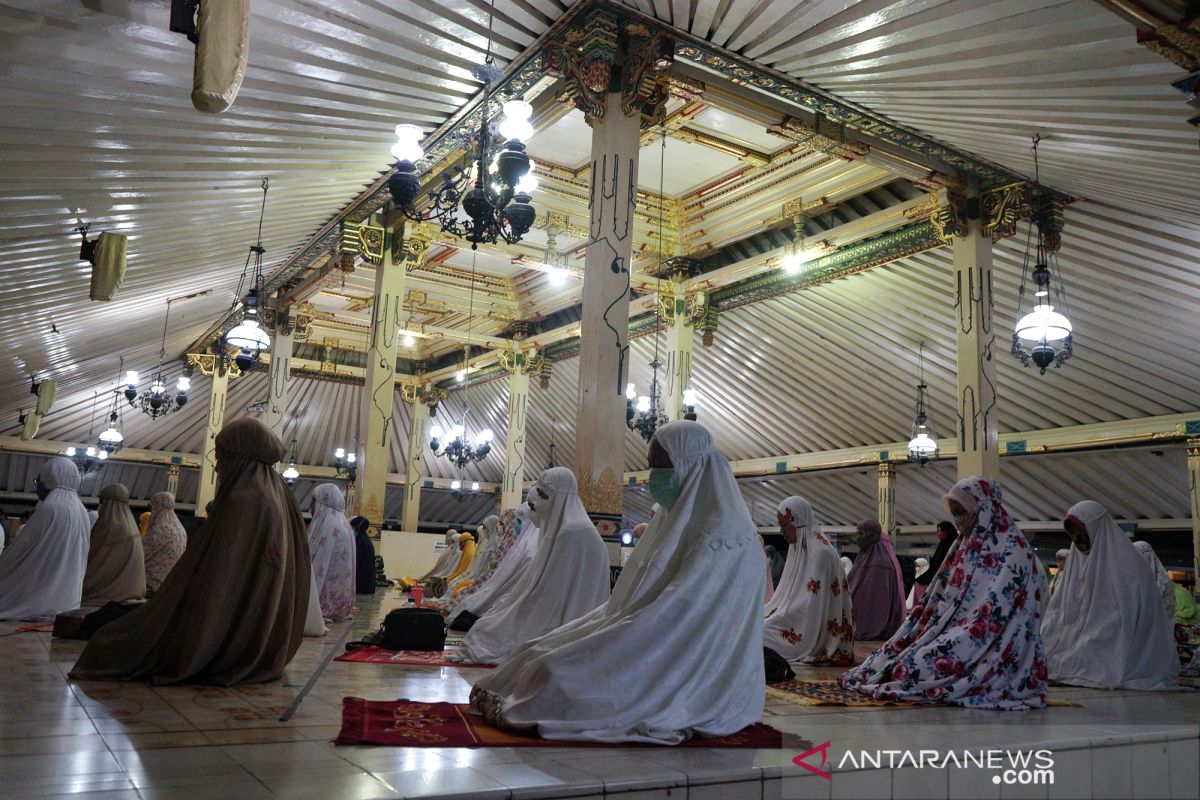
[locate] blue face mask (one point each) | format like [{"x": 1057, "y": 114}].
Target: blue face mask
[{"x": 663, "y": 487}]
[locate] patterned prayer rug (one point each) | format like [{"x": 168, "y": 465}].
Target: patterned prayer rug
[
  {"x": 410, "y": 658},
  {"x": 829, "y": 693},
  {"x": 407, "y": 723}
]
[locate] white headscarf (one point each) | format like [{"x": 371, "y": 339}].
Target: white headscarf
[
  {"x": 331, "y": 545},
  {"x": 810, "y": 618},
  {"x": 485, "y": 543},
  {"x": 847, "y": 565},
  {"x": 568, "y": 577},
  {"x": 510, "y": 570},
  {"x": 42, "y": 571},
  {"x": 921, "y": 567},
  {"x": 1166, "y": 586},
  {"x": 450, "y": 555},
  {"x": 677, "y": 651},
  {"x": 1105, "y": 626}
]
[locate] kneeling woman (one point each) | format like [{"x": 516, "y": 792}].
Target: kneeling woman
[
  {"x": 976, "y": 640},
  {"x": 683, "y": 629}
]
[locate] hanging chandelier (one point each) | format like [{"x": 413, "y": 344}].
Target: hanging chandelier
[
  {"x": 1044, "y": 335},
  {"x": 247, "y": 341},
  {"x": 922, "y": 446},
  {"x": 90, "y": 457},
  {"x": 290, "y": 474},
  {"x": 111, "y": 439},
  {"x": 453, "y": 445},
  {"x": 497, "y": 205},
  {"x": 155, "y": 402},
  {"x": 345, "y": 463}
]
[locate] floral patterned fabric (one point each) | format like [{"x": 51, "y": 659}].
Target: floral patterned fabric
[
  {"x": 166, "y": 539},
  {"x": 976, "y": 639},
  {"x": 331, "y": 542},
  {"x": 810, "y": 619}
]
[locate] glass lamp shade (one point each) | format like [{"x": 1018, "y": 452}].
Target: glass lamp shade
[
  {"x": 630, "y": 392},
  {"x": 131, "y": 377},
  {"x": 515, "y": 124},
  {"x": 91, "y": 451},
  {"x": 455, "y": 485},
  {"x": 351, "y": 458},
  {"x": 291, "y": 473},
  {"x": 1044, "y": 324},
  {"x": 643, "y": 404},
  {"x": 339, "y": 453},
  {"x": 248, "y": 337},
  {"x": 158, "y": 387},
  {"x": 529, "y": 181},
  {"x": 409, "y": 339},
  {"x": 102, "y": 455},
  {"x": 408, "y": 143},
  {"x": 112, "y": 436},
  {"x": 557, "y": 276},
  {"x": 475, "y": 486},
  {"x": 70, "y": 452},
  {"x": 436, "y": 431},
  {"x": 922, "y": 445},
  {"x": 483, "y": 437},
  {"x": 793, "y": 263},
  {"x": 183, "y": 384},
  {"x": 690, "y": 397},
  {"x": 457, "y": 432}
]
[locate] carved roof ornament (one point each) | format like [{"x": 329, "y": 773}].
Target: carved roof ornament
[
  {"x": 417, "y": 241},
  {"x": 360, "y": 239},
  {"x": 601, "y": 50},
  {"x": 823, "y": 135}
]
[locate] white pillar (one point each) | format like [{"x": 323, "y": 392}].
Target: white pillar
[
  {"x": 414, "y": 459},
  {"x": 512, "y": 489},
  {"x": 604, "y": 334},
  {"x": 218, "y": 389},
  {"x": 887, "y": 496},
  {"x": 978, "y": 431},
  {"x": 375, "y": 409},
  {"x": 280, "y": 377}
]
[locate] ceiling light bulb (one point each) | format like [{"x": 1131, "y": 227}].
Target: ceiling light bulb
[
  {"x": 457, "y": 432},
  {"x": 184, "y": 383},
  {"x": 455, "y": 485},
  {"x": 436, "y": 431},
  {"x": 407, "y": 146},
  {"x": 91, "y": 451},
  {"x": 690, "y": 397},
  {"x": 461, "y": 375},
  {"x": 409, "y": 339},
  {"x": 352, "y": 457},
  {"x": 515, "y": 124},
  {"x": 474, "y": 486},
  {"x": 70, "y": 452},
  {"x": 291, "y": 473},
  {"x": 643, "y": 404},
  {"x": 102, "y": 455},
  {"x": 794, "y": 262},
  {"x": 529, "y": 181},
  {"x": 131, "y": 377},
  {"x": 631, "y": 392},
  {"x": 339, "y": 453},
  {"x": 112, "y": 435},
  {"x": 557, "y": 276},
  {"x": 1044, "y": 324}
]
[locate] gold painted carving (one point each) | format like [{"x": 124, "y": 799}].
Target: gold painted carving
[
  {"x": 528, "y": 363},
  {"x": 823, "y": 136},
  {"x": 950, "y": 220},
  {"x": 603, "y": 496},
  {"x": 209, "y": 364},
  {"x": 1003, "y": 207},
  {"x": 363, "y": 240},
  {"x": 432, "y": 395},
  {"x": 416, "y": 246},
  {"x": 409, "y": 392},
  {"x": 1179, "y": 46}
]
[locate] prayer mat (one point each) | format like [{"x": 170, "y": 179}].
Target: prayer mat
[
  {"x": 830, "y": 693},
  {"x": 408, "y": 723},
  {"x": 40, "y": 627},
  {"x": 410, "y": 658}
]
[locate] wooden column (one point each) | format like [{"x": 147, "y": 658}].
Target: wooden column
[
  {"x": 1193, "y": 463},
  {"x": 218, "y": 389},
  {"x": 375, "y": 410},
  {"x": 280, "y": 377},
  {"x": 674, "y": 311},
  {"x": 978, "y": 434},
  {"x": 173, "y": 479},
  {"x": 603, "y": 345},
  {"x": 887, "y": 496},
  {"x": 414, "y": 457}
]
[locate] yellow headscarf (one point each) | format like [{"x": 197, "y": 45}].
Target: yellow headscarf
[
  {"x": 144, "y": 523},
  {"x": 467, "y": 543}
]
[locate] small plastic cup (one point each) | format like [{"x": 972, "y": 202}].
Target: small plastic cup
[{"x": 418, "y": 594}]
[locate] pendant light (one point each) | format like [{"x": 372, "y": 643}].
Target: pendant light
[
  {"x": 1043, "y": 336},
  {"x": 922, "y": 446},
  {"x": 247, "y": 340}
]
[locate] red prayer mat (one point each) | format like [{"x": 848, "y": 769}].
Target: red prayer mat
[
  {"x": 408, "y": 723},
  {"x": 411, "y": 658},
  {"x": 41, "y": 627}
]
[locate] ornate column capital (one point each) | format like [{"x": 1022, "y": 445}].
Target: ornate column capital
[
  {"x": 822, "y": 135},
  {"x": 363, "y": 240},
  {"x": 526, "y": 362},
  {"x": 209, "y": 365},
  {"x": 415, "y": 247}
]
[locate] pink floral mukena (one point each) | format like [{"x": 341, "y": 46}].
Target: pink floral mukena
[
  {"x": 165, "y": 542},
  {"x": 976, "y": 640},
  {"x": 331, "y": 544}
]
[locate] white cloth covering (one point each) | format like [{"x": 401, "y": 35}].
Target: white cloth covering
[
  {"x": 1166, "y": 586},
  {"x": 677, "y": 651},
  {"x": 1105, "y": 626},
  {"x": 41, "y": 572},
  {"x": 847, "y": 565},
  {"x": 331, "y": 545},
  {"x": 314, "y": 623},
  {"x": 508, "y": 573},
  {"x": 810, "y": 618},
  {"x": 448, "y": 560},
  {"x": 568, "y": 577},
  {"x": 921, "y": 566}
]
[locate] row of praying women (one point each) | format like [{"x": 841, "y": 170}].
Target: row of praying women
[{"x": 66, "y": 559}]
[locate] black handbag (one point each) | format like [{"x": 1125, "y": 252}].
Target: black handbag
[
  {"x": 463, "y": 621},
  {"x": 413, "y": 629},
  {"x": 776, "y": 666}
]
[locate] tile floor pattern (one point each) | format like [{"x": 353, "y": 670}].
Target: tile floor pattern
[{"x": 132, "y": 740}]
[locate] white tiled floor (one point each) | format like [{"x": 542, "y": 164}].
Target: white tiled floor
[{"x": 116, "y": 741}]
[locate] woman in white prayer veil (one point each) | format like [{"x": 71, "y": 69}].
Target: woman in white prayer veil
[
  {"x": 810, "y": 619},
  {"x": 568, "y": 578},
  {"x": 509, "y": 572},
  {"x": 847, "y": 565},
  {"x": 331, "y": 544},
  {"x": 442, "y": 566},
  {"x": 677, "y": 651},
  {"x": 1105, "y": 626},
  {"x": 486, "y": 535},
  {"x": 41, "y": 572},
  {"x": 1166, "y": 586}
]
